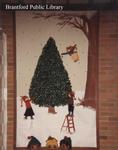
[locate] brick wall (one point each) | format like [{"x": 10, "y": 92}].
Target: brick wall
[
  {"x": 1, "y": 73},
  {"x": 108, "y": 79},
  {"x": 8, "y": 28}
]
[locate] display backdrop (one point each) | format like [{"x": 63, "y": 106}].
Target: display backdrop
[{"x": 52, "y": 58}]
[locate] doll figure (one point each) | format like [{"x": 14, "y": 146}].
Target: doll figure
[
  {"x": 71, "y": 98},
  {"x": 33, "y": 144},
  {"x": 66, "y": 143},
  {"x": 29, "y": 110},
  {"x": 51, "y": 143}
]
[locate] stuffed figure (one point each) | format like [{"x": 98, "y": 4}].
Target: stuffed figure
[
  {"x": 71, "y": 98},
  {"x": 72, "y": 51},
  {"x": 33, "y": 144},
  {"x": 66, "y": 143},
  {"x": 29, "y": 110},
  {"x": 51, "y": 143}
]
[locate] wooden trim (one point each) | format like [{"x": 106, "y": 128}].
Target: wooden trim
[
  {"x": 97, "y": 103},
  {"x": 74, "y": 148},
  {"x": 15, "y": 122}
]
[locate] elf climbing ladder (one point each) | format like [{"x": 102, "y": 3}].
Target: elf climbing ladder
[{"x": 69, "y": 124}]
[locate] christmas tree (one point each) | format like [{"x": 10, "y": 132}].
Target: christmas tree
[{"x": 50, "y": 83}]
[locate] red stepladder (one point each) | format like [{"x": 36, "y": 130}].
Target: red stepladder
[{"x": 69, "y": 124}]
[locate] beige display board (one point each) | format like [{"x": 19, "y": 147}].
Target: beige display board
[{"x": 33, "y": 30}]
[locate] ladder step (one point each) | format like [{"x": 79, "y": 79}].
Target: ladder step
[{"x": 69, "y": 123}]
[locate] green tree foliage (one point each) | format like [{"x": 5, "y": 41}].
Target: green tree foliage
[{"x": 50, "y": 83}]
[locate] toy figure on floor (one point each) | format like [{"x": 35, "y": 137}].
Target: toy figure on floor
[
  {"x": 66, "y": 143},
  {"x": 51, "y": 143},
  {"x": 29, "y": 110},
  {"x": 71, "y": 98},
  {"x": 34, "y": 143}
]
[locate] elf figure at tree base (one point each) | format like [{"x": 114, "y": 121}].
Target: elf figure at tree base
[{"x": 29, "y": 110}]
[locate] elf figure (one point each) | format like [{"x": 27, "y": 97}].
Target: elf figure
[
  {"x": 51, "y": 143},
  {"x": 33, "y": 144},
  {"x": 71, "y": 98},
  {"x": 72, "y": 51},
  {"x": 66, "y": 143},
  {"x": 29, "y": 110}
]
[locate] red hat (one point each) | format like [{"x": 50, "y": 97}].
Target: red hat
[
  {"x": 24, "y": 97},
  {"x": 72, "y": 94},
  {"x": 33, "y": 141}
]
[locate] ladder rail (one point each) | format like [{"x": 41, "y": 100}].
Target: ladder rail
[
  {"x": 63, "y": 124},
  {"x": 69, "y": 121}
]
